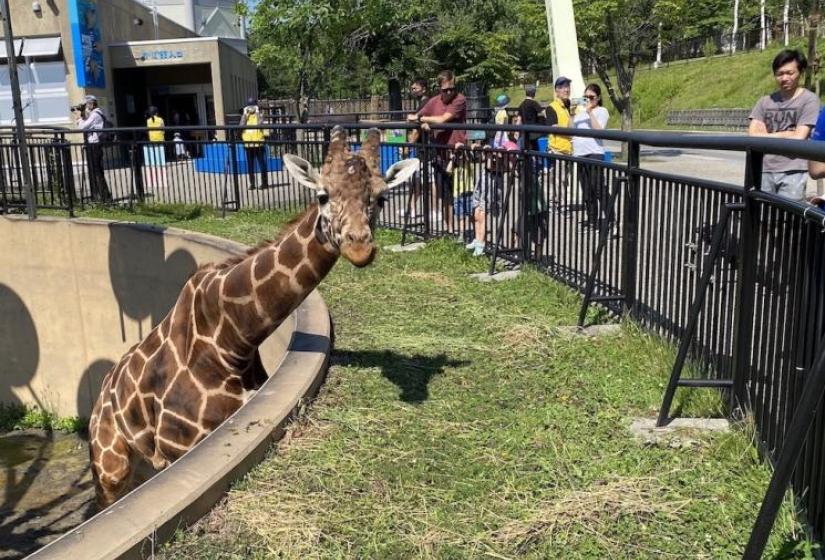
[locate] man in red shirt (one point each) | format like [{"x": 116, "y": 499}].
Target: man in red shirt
[{"x": 448, "y": 106}]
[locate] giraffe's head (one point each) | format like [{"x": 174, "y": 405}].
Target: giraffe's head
[{"x": 350, "y": 191}]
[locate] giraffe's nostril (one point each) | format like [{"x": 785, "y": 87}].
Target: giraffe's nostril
[{"x": 357, "y": 236}]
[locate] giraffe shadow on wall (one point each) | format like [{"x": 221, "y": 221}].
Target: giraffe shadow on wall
[
  {"x": 411, "y": 374},
  {"x": 28, "y": 517},
  {"x": 145, "y": 281}
]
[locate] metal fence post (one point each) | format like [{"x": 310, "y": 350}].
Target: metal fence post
[
  {"x": 137, "y": 169},
  {"x": 68, "y": 174},
  {"x": 426, "y": 187},
  {"x": 3, "y": 185},
  {"x": 743, "y": 321},
  {"x": 235, "y": 168},
  {"x": 797, "y": 431},
  {"x": 526, "y": 193},
  {"x": 630, "y": 228},
  {"x": 325, "y": 146}
]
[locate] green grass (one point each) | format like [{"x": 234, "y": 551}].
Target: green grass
[
  {"x": 457, "y": 422},
  {"x": 19, "y": 417},
  {"x": 720, "y": 82}
]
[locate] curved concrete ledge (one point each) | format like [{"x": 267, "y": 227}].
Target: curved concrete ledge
[
  {"x": 295, "y": 356},
  {"x": 185, "y": 491}
]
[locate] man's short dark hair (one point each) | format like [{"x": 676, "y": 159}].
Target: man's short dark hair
[
  {"x": 445, "y": 76},
  {"x": 421, "y": 82},
  {"x": 530, "y": 90},
  {"x": 789, "y": 55}
]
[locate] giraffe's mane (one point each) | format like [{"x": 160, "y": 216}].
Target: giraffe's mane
[{"x": 288, "y": 228}]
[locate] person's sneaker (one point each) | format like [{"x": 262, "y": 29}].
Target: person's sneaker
[
  {"x": 471, "y": 245},
  {"x": 479, "y": 250}
]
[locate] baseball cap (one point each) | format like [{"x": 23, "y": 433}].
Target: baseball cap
[
  {"x": 251, "y": 101},
  {"x": 502, "y": 100},
  {"x": 562, "y": 80},
  {"x": 91, "y": 98}
]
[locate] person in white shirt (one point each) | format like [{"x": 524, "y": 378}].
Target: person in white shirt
[
  {"x": 91, "y": 120},
  {"x": 592, "y": 116}
]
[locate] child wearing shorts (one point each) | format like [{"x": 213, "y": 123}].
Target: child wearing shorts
[{"x": 489, "y": 190}]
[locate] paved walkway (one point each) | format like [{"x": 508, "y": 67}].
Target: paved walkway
[{"x": 713, "y": 165}]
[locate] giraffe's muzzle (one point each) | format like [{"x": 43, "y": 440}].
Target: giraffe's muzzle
[{"x": 360, "y": 253}]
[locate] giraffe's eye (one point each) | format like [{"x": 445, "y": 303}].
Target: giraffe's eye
[{"x": 323, "y": 198}]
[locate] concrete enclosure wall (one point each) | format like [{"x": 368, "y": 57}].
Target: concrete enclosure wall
[{"x": 76, "y": 294}]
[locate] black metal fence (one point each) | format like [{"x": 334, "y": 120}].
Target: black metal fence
[{"x": 734, "y": 274}]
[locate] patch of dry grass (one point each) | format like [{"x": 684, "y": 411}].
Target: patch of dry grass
[{"x": 604, "y": 502}]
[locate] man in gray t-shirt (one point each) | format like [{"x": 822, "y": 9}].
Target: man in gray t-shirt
[{"x": 789, "y": 112}]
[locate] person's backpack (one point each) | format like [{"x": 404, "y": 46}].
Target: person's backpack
[{"x": 105, "y": 134}]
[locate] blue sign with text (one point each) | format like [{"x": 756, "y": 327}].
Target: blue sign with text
[
  {"x": 161, "y": 55},
  {"x": 87, "y": 43}
]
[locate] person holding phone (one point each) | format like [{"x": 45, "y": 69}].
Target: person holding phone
[{"x": 591, "y": 115}]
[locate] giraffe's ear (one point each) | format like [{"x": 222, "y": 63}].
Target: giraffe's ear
[
  {"x": 401, "y": 172},
  {"x": 302, "y": 171}
]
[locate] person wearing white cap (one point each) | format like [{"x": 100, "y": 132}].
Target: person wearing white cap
[{"x": 91, "y": 120}]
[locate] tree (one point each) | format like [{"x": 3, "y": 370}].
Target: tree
[
  {"x": 814, "y": 17},
  {"x": 306, "y": 47},
  {"x": 735, "y": 31},
  {"x": 613, "y": 36}
]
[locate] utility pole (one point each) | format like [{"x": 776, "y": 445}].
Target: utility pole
[{"x": 19, "y": 125}]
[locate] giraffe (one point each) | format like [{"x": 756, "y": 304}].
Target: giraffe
[{"x": 201, "y": 363}]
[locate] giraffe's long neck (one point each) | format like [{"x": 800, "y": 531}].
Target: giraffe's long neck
[{"x": 260, "y": 292}]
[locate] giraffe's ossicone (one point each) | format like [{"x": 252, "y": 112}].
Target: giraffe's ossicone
[{"x": 201, "y": 362}]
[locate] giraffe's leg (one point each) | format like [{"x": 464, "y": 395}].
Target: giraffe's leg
[
  {"x": 111, "y": 461},
  {"x": 159, "y": 462},
  {"x": 254, "y": 376}
]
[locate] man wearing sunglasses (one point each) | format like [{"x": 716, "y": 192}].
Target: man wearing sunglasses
[{"x": 448, "y": 106}]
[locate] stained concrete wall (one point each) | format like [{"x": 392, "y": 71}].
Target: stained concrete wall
[
  {"x": 75, "y": 295},
  {"x": 237, "y": 79}
]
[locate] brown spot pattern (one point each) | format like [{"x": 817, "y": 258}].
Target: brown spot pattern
[{"x": 189, "y": 373}]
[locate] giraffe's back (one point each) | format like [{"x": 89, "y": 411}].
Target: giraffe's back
[{"x": 169, "y": 390}]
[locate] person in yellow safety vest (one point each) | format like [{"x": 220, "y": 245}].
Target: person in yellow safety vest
[
  {"x": 559, "y": 114},
  {"x": 155, "y": 125},
  {"x": 154, "y": 153},
  {"x": 253, "y": 143}
]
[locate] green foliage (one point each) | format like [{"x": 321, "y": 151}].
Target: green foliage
[
  {"x": 335, "y": 47},
  {"x": 709, "y": 48},
  {"x": 19, "y": 417},
  {"x": 685, "y": 85},
  {"x": 329, "y": 48}
]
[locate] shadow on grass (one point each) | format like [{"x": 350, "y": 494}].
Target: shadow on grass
[
  {"x": 797, "y": 549},
  {"x": 411, "y": 374}
]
